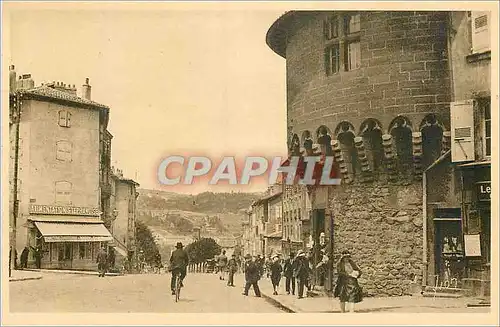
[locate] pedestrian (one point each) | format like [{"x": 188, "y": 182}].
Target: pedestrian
[
  {"x": 259, "y": 261},
  {"x": 37, "y": 253},
  {"x": 288, "y": 273},
  {"x": 232, "y": 268},
  {"x": 24, "y": 257},
  {"x": 222, "y": 263},
  {"x": 252, "y": 276},
  {"x": 268, "y": 262},
  {"x": 111, "y": 258},
  {"x": 347, "y": 288},
  {"x": 102, "y": 261},
  {"x": 322, "y": 267},
  {"x": 301, "y": 272},
  {"x": 276, "y": 270}
]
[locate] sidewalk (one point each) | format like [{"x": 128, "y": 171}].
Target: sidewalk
[
  {"x": 324, "y": 304},
  {"x": 77, "y": 272},
  {"x": 20, "y": 275}
]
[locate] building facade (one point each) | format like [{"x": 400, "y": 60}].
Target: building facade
[
  {"x": 123, "y": 207},
  {"x": 55, "y": 164},
  {"x": 458, "y": 187},
  {"x": 371, "y": 89}
]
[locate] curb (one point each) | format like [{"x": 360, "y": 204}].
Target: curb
[
  {"x": 285, "y": 307},
  {"x": 24, "y": 278}
]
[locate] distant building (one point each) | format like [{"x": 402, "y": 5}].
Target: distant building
[{"x": 124, "y": 211}]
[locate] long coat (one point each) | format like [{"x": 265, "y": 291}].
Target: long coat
[
  {"x": 252, "y": 272},
  {"x": 347, "y": 288}
]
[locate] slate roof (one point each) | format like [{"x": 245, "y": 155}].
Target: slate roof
[{"x": 48, "y": 93}]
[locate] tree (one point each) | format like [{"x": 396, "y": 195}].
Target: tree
[
  {"x": 146, "y": 242},
  {"x": 202, "y": 250}
]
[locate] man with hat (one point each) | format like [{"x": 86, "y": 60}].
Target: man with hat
[
  {"x": 252, "y": 276},
  {"x": 179, "y": 261},
  {"x": 301, "y": 272},
  {"x": 288, "y": 273}
]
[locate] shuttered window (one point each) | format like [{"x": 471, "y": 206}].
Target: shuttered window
[
  {"x": 462, "y": 131},
  {"x": 63, "y": 151},
  {"x": 63, "y": 192},
  {"x": 64, "y": 118},
  {"x": 480, "y": 28}
]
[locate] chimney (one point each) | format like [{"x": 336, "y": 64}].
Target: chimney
[
  {"x": 29, "y": 83},
  {"x": 86, "y": 89},
  {"x": 12, "y": 78},
  {"x": 19, "y": 85}
]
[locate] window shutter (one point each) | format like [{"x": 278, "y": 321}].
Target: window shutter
[
  {"x": 462, "y": 131},
  {"x": 480, "y": 21},
  {"x": 68, "y": 119}
]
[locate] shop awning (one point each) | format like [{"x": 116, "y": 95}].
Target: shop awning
[{"x": 73, "y": 232}]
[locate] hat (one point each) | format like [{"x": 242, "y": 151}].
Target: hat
[
  {"x": 345, "y": 253},
  {"x": 179, "y": 245},
  {"x": 275, "y": 256},
  {"x": 300, "y": 253},
  {"x": 248, "y": 256}
]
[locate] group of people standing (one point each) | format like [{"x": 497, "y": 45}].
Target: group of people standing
[{"x": 297, "y": 270}]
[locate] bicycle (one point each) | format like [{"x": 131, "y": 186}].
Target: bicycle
[{"x": 177, "y": 286}]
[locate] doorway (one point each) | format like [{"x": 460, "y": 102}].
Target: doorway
[
  {"x": 449, "y": 253},
  {"x": 65, "y": 255}
]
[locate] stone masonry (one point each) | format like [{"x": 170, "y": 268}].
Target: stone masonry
[{"x": 382, "y": 227}]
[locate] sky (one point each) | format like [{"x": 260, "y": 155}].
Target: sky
[{"x": 177, "y": 81}]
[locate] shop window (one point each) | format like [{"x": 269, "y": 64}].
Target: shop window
[
  {"x": 64, "y": 118},
  {"x": 371, "y": 132},
  {"x": 432, "y": 140},
  {"x": 63, "y": 192},
  {"x": 54, "y": 250},
  {"x": 402, "y": 138},
  {"x": 63, "y": 151}
]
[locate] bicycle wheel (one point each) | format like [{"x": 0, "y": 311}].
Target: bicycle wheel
[{"x": 177, "y": 288}]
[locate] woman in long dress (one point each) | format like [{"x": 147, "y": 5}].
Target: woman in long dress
[{"x": 347, "y": 288}]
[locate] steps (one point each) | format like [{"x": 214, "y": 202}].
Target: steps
[{"x": 444, "y": 292}]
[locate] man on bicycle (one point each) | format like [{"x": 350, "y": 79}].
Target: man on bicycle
[{"x": 179, "y": 261}]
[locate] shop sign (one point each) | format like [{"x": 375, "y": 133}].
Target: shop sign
[
  {"x": 41, "y": 209},
  {"x": 484, "y": 191}
]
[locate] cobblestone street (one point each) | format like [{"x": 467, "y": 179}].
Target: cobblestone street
[{"x": 204, "y": 293}]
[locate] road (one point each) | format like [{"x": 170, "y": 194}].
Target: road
[{"x": 203, "y": 293}]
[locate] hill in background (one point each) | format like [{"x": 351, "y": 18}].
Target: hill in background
[{"x": 176, "y": 217}]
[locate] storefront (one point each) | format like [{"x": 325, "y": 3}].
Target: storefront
[
  {"x": 62, "y": 241},
  {"x": 476, "y": 206}
]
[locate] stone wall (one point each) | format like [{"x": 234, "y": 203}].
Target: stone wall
[
  {"x": 381, "y": 224},
  {"x": 404, "y": 71}
]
